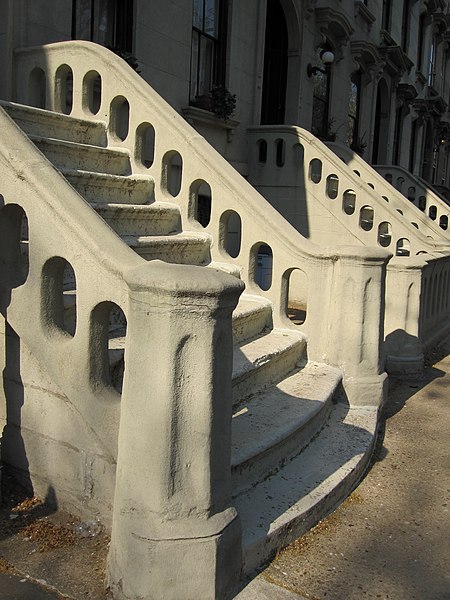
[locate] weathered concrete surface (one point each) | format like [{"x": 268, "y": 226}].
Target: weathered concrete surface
[{"x": 389, "y": 540}]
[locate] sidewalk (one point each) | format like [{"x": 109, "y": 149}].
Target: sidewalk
[{"x": 388, "y": 540}]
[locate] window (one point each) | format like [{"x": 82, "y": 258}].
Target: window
[
  {"x": 353, "y": 109},
  {"x": 405, "y": 24},
  {"x": 320, "y": 125},
  {"x": 106, "y": 22},
  {"x": 386, "y": 15},
  {"x": 208, "y": 47}
]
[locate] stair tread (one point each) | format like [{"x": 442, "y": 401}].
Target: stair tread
[
  {"x": 274, "y": 414},
  {"x": 91, "y": 148},
  {"x": 168, "y": 239},
  {"x": 137, "y": 209},
  {"x": 105, "y": 178},
  {"x": 289, "y": 502},
  {"x": 259, "y": 351},
  {"x": 249, "y": 303}
]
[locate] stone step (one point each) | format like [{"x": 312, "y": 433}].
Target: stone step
[
  {"x": 41, "y": 122},
  {"x": 186, "y": 248},
  {"x": 74, "y": 155},
  {"x": 285, "y": 505},
  {"x": 278, "y": 423},
  {"x": 158, "y": 218},
  {"x": 102, "y": 188},
  {"x": 265, "y": 360},
  {"x": 252, "y": 317}
]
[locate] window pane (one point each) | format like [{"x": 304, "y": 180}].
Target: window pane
[
  {"x": 206, "y": 66},
  {"x": 83, "y": 20},
  {"x": 194, "y": 65},
  {"x": 104, "y": 22},
  {"x": 211, "y": 17},
  {"x": 320, "y": 85},
  {"x": 197, "y": 14},
  {"x": 319, "y": 126}
]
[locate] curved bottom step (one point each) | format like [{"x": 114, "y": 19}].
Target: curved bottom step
[{"x": 284, "y": 506}]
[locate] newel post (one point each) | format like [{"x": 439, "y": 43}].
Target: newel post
[
  {"x": 175, "y": 533},
  {"x": 356, "y": 323}
]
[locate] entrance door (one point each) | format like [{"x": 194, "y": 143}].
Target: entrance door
[{"x": 275, "y": 66}]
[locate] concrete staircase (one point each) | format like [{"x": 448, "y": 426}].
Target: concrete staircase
[{"x": 296, "y": 450}]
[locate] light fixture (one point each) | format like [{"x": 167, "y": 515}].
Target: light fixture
[{"x": 327, "y": 58}]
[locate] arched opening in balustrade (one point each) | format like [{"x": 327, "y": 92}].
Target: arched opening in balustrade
[
  {"x": 298, "y": 155},
  {"x": 443, "y": 222},
  {"x": 432, "y": 213},
  {"x": 403, "y": 247},
  {"x": 384, "y": 234},
  {"x": 119, "y": 118},
  {"x": 92, "y": 92},
  {"x": 37, "y": 88},
  {"x": 262, "y": 151},
  {"x": 357, "y": 173},
  {"x": 414, "y": 224},
  {"x": 385, "y": 198},
  {"x": 64, "y": 89},
  {"x": 59, "y": 296},
  {"x": 411, "y": 193},
  {"x": 297, "y": 296},
  {"x": 399, "y": 183},
  {"x": 14, "y": 248},
  {"x": 349, "y": 202},
  {"x": 388, "y": 177},
  {"x": 262, "y": 258},
  {"x": 172, "y": 172},
  {"x": 315, "y": 170},
  {"x": 200, "y": 202},
  {"x": 422, "y": 204},
  {"x": 400, "y": 212},
  {"x": 366, "y": 215},
  {"x": 371, "y": 185},
  {"x": 108, "y": 330},
  {"x": 332, "y": 186},
  {"x": 280, "y": 152},
  {"x": 231, "y": 233},
  {"x": 145, "y": 145}
]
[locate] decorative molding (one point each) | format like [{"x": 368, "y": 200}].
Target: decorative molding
[
  {"x": 362, "y": 10},
  {"x": 199, "y": 116},
  {"x": 333, "y": 26}
]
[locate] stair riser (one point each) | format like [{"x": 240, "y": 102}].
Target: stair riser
[
  {"x": 99, "y": 160},
  {"x": 120, "y": 192},
  {"x": 251, "y": 324},
  {"x": 265, "y": 372},
  {"x": 55, "y": 126},
  {"x": 149, "y": 223},
  {"x": 191, "y": 253},
  {"x": 262, "y": 552},
  {"x": 257, "y": 468}
]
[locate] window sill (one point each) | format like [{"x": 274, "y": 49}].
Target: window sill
[
  {"x": 365, "y": 13},
  {"x": 199, "y": 116}
]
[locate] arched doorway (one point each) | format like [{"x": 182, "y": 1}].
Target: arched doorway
[
  {"x": 275, "y": 65},
  {"x": 381, "y": 130}
]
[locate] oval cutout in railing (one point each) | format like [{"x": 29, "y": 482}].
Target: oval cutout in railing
[
  {"x": 262, "y": 151},
  {"x": 92, "y": 92},
  {"x": 411, "y": 193},
  {"x": 400, "y": 211},
  {"x": 280, "y": 152},
  {"x": 64, "y": 89},
  {"x": 200, "y": 202},
  {"x": 107, "y": 337},
  {"x": 384, "y": 234},
  {"x": 366, "y": 215},
  {"x": 357, "y": 173},
  {"x": 388, "y": 178},
  {"x": 297, "y": 296},
  {"x": 422, "y": 203},
  {"x": 371, "y": 185},
  {"x": 332, "y": 186},
  {"x": 399, "y": 183},
  {"x": 414, "y": 224},
  {"x": 172, "y": 172},
  {"x": 14, "y": 248},
  {"x": 385, "y": 198},
  {"x": 315, "y": 170},
  {"x": 443, "y": 222},
  {"x": 59, "y": 295},
  {"x": 298, "y": 155},
  {"x": 349, "y": 202},
  {"x": 145, "y": 145},
  {"x": 231, "y": 233},
  {"x": 403, "y": 247},
  {"x": 263, "y": 257},
  {"x": 37, "y": 88},
  {"x": 432, "y": 213},
  {"x": 119, "y": 116}
]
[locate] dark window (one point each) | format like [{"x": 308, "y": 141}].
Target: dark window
[
  {"x": 421, "y": 34},
  {"x": 353, "y": 108},
  {"x": 209, "y": 18},
  {"x": 398, "y": 132},
  {"x": 386, "y": 15},
  {"x": 412, "y": 146},
  {"x": 405, "y": 24},
  {"x": 321, "y": 125},
  {"x": 106, "y": 22}
]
